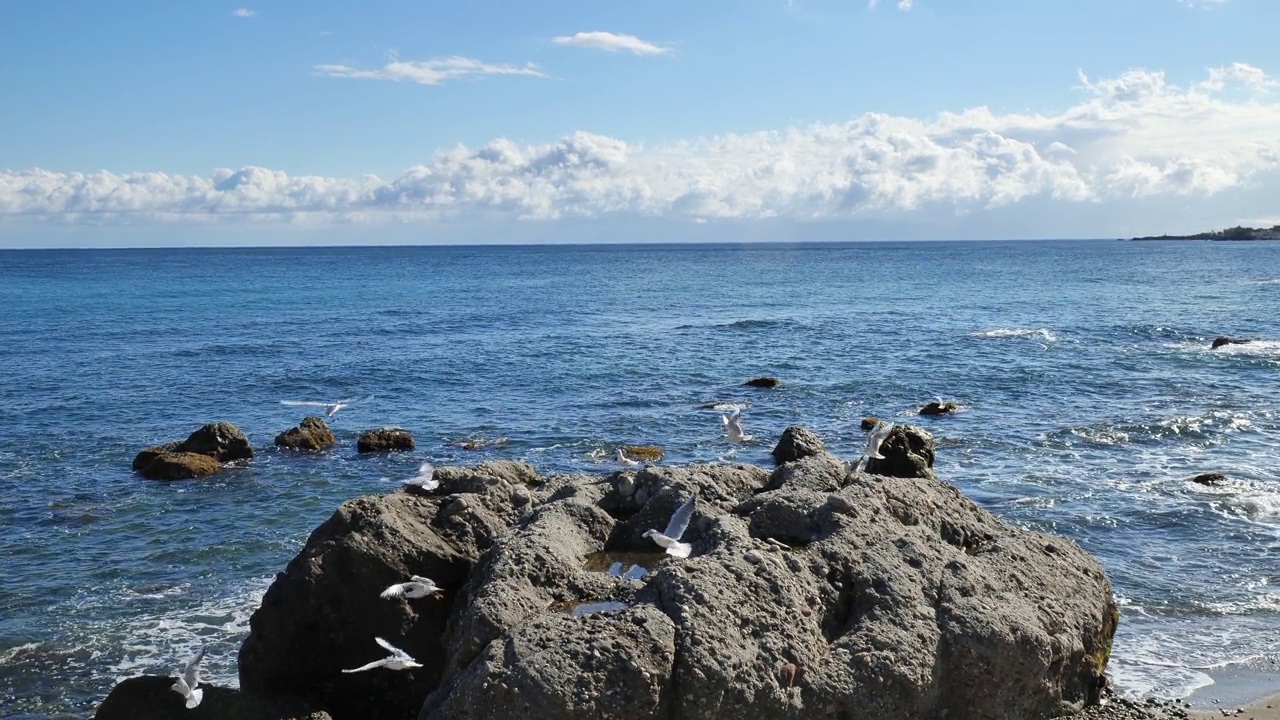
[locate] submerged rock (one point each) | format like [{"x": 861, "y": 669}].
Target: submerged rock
[
  {"x": 643, "y": 453},
  {"x": 311, "y": 434},
  {"x": 385, "y": 440},
  {"x": 1220, "y": 341},
  {"x": 938, "y": 408},
  {"x": 149, "y": 697},
  {"x": 809, "y": 593},
  {"x": 201, "y": 454},
  {"x": 763, "y": 382},
  {"x": 1212, "y": 478},
  {"x": 796, "y": 442}
]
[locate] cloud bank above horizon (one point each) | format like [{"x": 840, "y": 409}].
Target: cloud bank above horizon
[{"x": 1130, "y": 137}]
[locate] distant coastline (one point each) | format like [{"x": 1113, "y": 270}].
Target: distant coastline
[{"x": 1237, "y": 233}]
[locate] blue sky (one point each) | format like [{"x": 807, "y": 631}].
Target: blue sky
[{"x": 415, "y": 121}]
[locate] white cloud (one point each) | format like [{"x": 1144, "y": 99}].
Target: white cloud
[
  {"x": 1202, "y": 3},
  {"x": 429, "y": 72},
  {"x": 905, "y": 4},
  {"x": 1129, "y": 140},
  {"x": 244, "y": 12},
  {"x": 609, "y": 42}
]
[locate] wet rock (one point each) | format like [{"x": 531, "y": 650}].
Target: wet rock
[
  {"x": 149, "y": 697},
  {"x": 907, "y": 451},
  {"x": 201, "y": 454},
  {"x": 938, "y": 408},
  {"x": 795, "y": 443},
  {"x": 311, "y": 434},
  {"x": 763, "y": 382},
  {"x": 643, "y": 453},
  {"x": 1220, "y": 341},
  {"x": 221, "y": 441},
  {"x": 384, "y": 440},
  {"x": 869, "y": 423},
  {"x": 1211, "y": 479}
]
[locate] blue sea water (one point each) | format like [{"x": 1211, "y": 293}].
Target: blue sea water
[{"x": 1088, "y": 398}]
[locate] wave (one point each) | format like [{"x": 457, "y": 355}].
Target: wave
[
  {"x": 1043, "y": 334},
  {"x": 1209, "y": 426},
  {"x": 1253, "y": 348}
]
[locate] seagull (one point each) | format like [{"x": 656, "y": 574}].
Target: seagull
[
  {"x": 397, "y": 660},
  {"x": 330, "y": 408},
  {"x": 875, "y": 439},
  {"x": 627, "y": 462},
  {"x": 426, "y": 477},
  {"x": 733, "y": 427},
  {"x": 670, "y": 538},
  {"x": 417, "y": 587},
  {"x": 188, "y": 678}
]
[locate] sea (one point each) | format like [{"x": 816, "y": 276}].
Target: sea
[{"x": 1088, "y": 397}]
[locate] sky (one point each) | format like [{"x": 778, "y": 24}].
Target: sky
[{"x": 142, "y": 123}]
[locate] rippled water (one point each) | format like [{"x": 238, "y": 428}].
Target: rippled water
[{"x": 1088, "y": 397}]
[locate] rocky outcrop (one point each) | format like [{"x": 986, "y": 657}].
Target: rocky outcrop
[
  {"x": 938, "y": 408},
  {"x": 1220, "y": 341},
  {"x": 796, "y": 442},
  {"x": 149, "y": 697},
  {"x": 811, "y": 592},
  {"x": 763, "y": 382},
  {"x": 1211, "y": 479},
  {"x": 322, "y": 614},
  {"x": 311, "y": 434},
  {"x": 869, "y": 423},
  {"x": 908, "y": 453},
  {"x": 201, "y": 454},
  {"x": 643, "y": 453},
  {"x": 385, "y": 440}
]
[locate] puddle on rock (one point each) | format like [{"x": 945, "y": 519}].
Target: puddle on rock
[
  {"x": 592, "y": 608},
  {"x": 625, "y": 565}
]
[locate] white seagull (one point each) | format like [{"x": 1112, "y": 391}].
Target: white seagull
[
  {"x": 397, "y": 660},
  {"x": 330, "y": 408},
  {"x": 670, "y": 538},
  {"x": 875, "y": 438},
  {"x": 627, "y": 462},
  {"x": 733, "y": 427},
  {"x": 188, "y": 678},
  {"x": 426, "y": 477},
  {"x": 417, "y": 587}
]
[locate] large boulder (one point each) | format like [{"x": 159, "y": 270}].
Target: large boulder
[
  {"x": 310, "y": 434},
  {"x": 902, "y": 600},
  {"x": 883, "y": 597},
  {"x": 908, "y": 453},
  {"x": 201, "y": 454},
  {"x": 384, "y": 440},
  {"x": 796, "y": 442},
  {"x": 322, "y": 614},
  {"x": 149, "y": 697}
]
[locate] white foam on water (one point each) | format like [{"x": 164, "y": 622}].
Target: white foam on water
[
  {"x": 1043, "y": 334},
  {"x": 1153, "y": 657}
]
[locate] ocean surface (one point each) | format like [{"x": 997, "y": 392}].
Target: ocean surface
[{"x": 1088, "y": 396}]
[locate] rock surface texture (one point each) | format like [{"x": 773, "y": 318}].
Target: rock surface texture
[
  {"x": 149, "y": 697},
  {"x": 310, "y": 434},
  {"x": 811, "y": 592},
  {"x": 795, "y": 443},
  {"x": 202, "y": 453},
  {"x": 384, "y": 440}
]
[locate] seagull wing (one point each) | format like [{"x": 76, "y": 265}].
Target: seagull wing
[
  {"x": 680, "y": 520},
  {"x": 395, "y": 591},
  {"x": 303, "y": 403},
  {"x": 370, "y": 666},
  {"x": 395, "y": 651},
  {"x": 191, "y": 671}
]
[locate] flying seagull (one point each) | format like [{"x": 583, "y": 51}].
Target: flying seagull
[
  {"x": 733, "y": 427},
  {"x": 188, "y": 678},
  {"x": 426, "y": 477},
  {"x": 417, "y": 587},
  {"x": 627, "y": 462},
  {"x": 397, "y": 660},
  {"x": 330, "y": 408},
  {"x": 670, "y": 538},
  {"x": 875, "y": 439}
]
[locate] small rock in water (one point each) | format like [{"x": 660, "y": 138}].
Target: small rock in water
[
  {"x": 763, "y": 382},
  {"x": 1220, "y": 341},
  {"x": 1212, "y": 478},
  {"x": 937, "y": 408},
  {"x": 869, "y": 423}
]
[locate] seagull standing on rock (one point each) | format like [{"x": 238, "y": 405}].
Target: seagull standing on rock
[
  {"x": 397, "y": 660},
  {"x": 416, "y": 587},
  {"x": 188, "y": 679},
  {"x": 670, "y": 538},
  {"x": 733, "y": 427}
]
